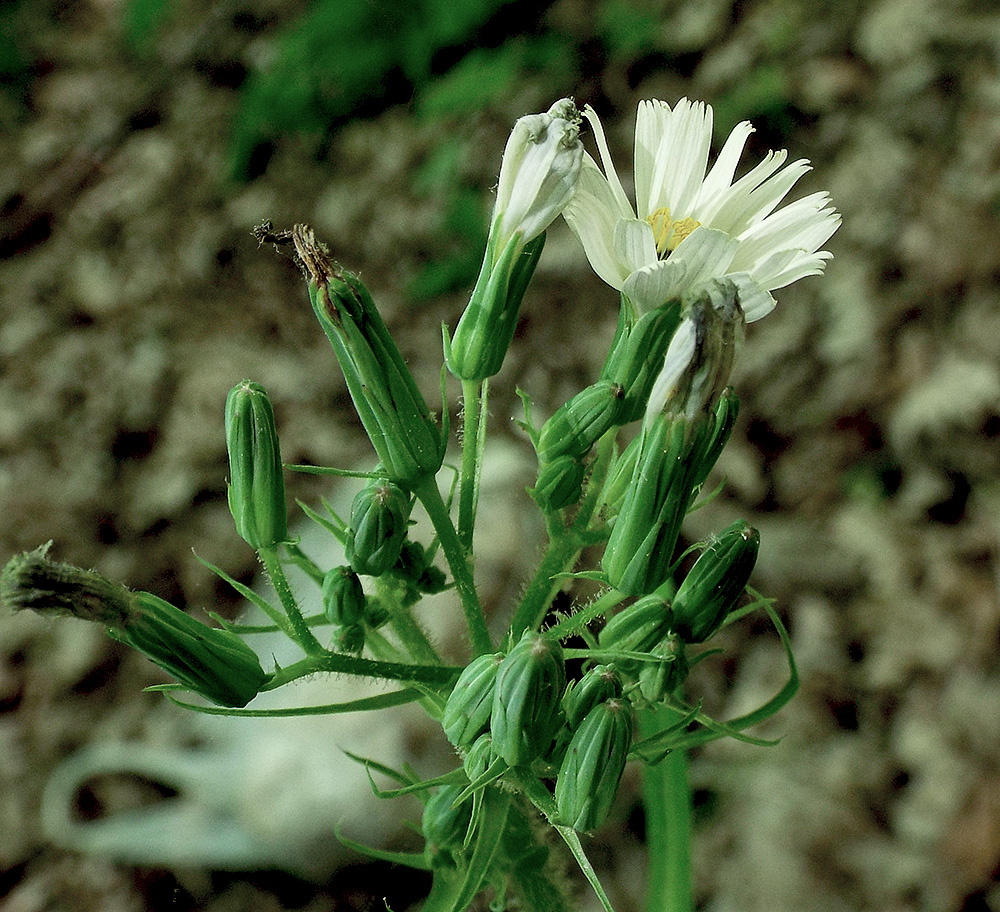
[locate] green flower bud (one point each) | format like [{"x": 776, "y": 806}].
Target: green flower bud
[
  {"x": 640, "y": 549},
  {"x": 445, "y": 826},
  {"x": 637, "y": 353},
  {"x": 416, "y": 569},
  {"x": 379, "y": 518},
  {"x": 559, "y": 485},
  {"x": 409, "y": 444},
  {"x": 659, "y": 679},
  {"x": 479, "y": 757},
  {"x": 256, "y": 482},
  {"x": 579, "y": 424},
  {"x": 214, "y": 663},
  {"x": 343, "y": 597},
  {"x": 715, "y": 583},
  {"x": 487, "y": 326},
  {"x": 467, "y": 713},
  {"x": 620, "y": 477},
  {"x": 599, "y": 684},
  {"x": 526, "y": 702},
  {"x": 639, "y": 627},
  {"x": 349, "y": 639},
  {"x": 592, "y": 769}
]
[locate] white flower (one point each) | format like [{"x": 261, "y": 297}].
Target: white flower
[
  {"x": 690, "y": 227},
  {"x": 541, "y": 164}
]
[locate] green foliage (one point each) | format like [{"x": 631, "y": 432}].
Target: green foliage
[
  {"x": 341, "y": 56},
  {"x": 141, "y": 19},
  {"x": 762, "y": 95},
  {"x": 628, "y": 28}
]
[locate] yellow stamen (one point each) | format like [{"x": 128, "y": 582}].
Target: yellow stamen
[{"x": 668, "y": 232}]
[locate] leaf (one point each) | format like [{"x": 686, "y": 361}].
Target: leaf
[{"x": 381, "y": 701}]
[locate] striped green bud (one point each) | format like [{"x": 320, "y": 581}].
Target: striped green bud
[
  {"x": 640, "y": 549},
  {"x": 256, "y": 482},
  {"x": 639, "y": 627},
  {"x": 380, "y": 515},
  {"x": 620, "y": 477},
  {"x": 597, "y": 685},
  {"x": 214, "y": 663},
  {"x": 559, "y": 485},
  {"x": 526, "y": 702},
  {"x": 660, "y": 678},
  {"x": 479, "y": 757},
  {"x": 343, "y": 597},
  {"x": 581, "y": 422},
  {"x": 637, "y": 353},
  {"x": 486, "y": 329},
  {"x": 392, "y": 409},
  {"x": 715, "y": 582},
  {"x": 445, "y": 826},
  {"x": 592, "y": 769},
  {"x": 349, "y": 639},
  {"x": 467, "y": 713}
]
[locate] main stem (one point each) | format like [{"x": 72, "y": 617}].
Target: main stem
[
  {"x": 667, "y": 798},
  {"x": 473, "y": 438}
]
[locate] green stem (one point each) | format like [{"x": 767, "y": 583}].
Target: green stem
[
  {"x": 473, "y": 439},
  {"x": 458, "y": 561},
  {"x": 337, "y": 663},
  {"x": 404, "y": 624},
  {"x": 300, "y": 629},
  {"x": 565, "y": 544},
  {"x": 667, "y": 799}
]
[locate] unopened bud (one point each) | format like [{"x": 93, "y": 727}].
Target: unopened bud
[
  {"x": 467, "y": 713},
  {"x": 445, "y": 826},
  {"x": 715, "y": 583},
  {"x": 592, "y": 768},
  {"x": 639, "y": 627},
  {"x": 343, "y": 597},
  {"x": 559, "y": 485},
  {"x": 599, "y": 684},
  {"x": 526, "y": 702},
  {"x": 256, "y": 482},
  {"x": 581, "y": 422},
  {"x": 379, "y": 517}
]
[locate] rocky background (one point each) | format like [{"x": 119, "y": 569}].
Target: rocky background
[{"x": 141, "y": 142}]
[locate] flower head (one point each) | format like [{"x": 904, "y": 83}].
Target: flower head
[{"x": 689, "y": 226}]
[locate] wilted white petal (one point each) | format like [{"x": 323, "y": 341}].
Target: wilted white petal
[
  {"x": 679, "y": 355},
  {"x": 755, "y": 301},
  {"x": 540, "y": 168}
]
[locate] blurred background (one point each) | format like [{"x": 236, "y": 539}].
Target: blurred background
[{"x": 141, "y": 141}]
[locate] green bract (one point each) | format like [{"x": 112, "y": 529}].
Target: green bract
[
  {"x": 256, "y": 482},
  {"x": 379, "y": 516},
  {"x": 526, "y": 702},
  {"x": 486, "y": 328},
  {"x": 581, "y": 422},
  {"x": 715, "y": 582},
  {"x": 592, "y": 768},
  {"x": 467, "y": 712}
]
